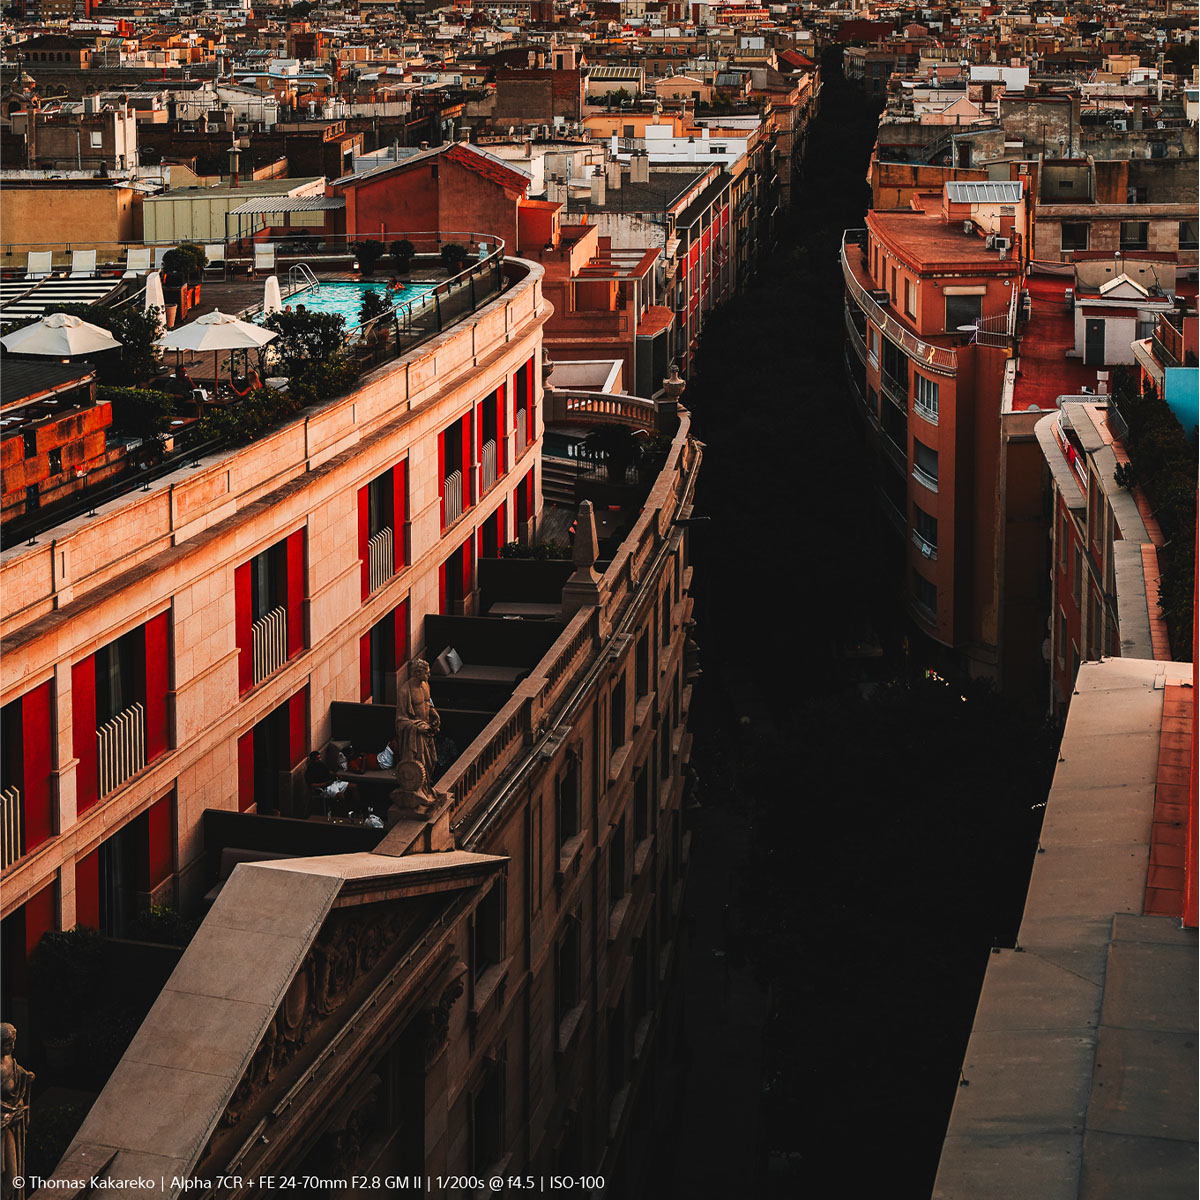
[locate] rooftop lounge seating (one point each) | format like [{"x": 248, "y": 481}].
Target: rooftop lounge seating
[
  {"x": 264, "y": 258},
  {"x": 216, "y": 260},
  {"x": 33, "y": 303},
  {"x": 40, "y": 264},
  {"x": 83, "y": 264},
  {"x": 138, "y": 261}
]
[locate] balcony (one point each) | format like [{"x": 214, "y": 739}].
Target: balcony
[
  {"x": 454, "y": 497},
  {"x": 381, "y": 558},
  {"x": 937, "y": 359},
  {"x": 854, "y": 338},
  {"x": 894, "y": 390},
  {"x": 897, "y": 453},
  {"x": 12, "y": 827},
  {"x": 488, "y": 465},
  {"x": 925, "y": 412},
  {"x": 522, "y": 436},
  {"x": 269, "y": 642},
  {"x": 924, "y": 478},
  {"x": 121, "y": 748},
  {"x": 928, "y": 549}
]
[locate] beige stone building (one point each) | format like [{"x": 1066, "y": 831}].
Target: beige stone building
[{"x": 486, "y": 986}]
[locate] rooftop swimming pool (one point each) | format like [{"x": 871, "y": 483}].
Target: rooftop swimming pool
[{"x": 344, "y": 298}]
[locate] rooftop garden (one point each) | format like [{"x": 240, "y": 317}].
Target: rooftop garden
[{"x": 1163, "y": 464}]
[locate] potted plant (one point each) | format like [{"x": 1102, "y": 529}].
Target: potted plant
[
  {"x": 454, "y": 254},
  {"x": 402, "y": 252},
  {"x": 617, "y": 446},
  {"x": 372, "y": 310},
  {"x": 195, "y": 262},
  {"x": 368, "y": 253}
]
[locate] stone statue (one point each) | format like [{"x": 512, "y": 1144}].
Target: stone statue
[
  {"x": 15, "y": 1086},
  {"x": 417, "y": 724}
]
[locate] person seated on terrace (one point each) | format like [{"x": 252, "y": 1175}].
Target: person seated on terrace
[
  {"x": 181, "y": 383},
  {"x": 334, "y": 795},
  {"x": 252, "y": 383}
]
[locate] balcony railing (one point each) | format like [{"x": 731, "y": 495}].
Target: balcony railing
[
  {"x": 522, "y": 432},
  {"x": 934, "y": 358},
  {"x": 928, "y": 549},
  {"x": 923, "y": 477},
  {"x": 453, "y": 492},
  {"x": 897, "y": 453},
  {"x": 121, "y": 748},
  {"x": 894, "y": 390},
  {"x": 925, "y": 412},
  {"x": 488, "y": 465},
  {"x": 381, "y": 558},
  {"x": 269, "y": 641},
  {"x": 12, "y": 827},
  {"x": 855, "y": 338}
]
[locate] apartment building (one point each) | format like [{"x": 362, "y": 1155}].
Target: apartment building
[
  {"x": 932, "y": 297},
  {"x": 495, "y": 975}
]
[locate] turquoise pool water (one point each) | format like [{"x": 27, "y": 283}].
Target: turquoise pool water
[{"x": 345, "y": 298}]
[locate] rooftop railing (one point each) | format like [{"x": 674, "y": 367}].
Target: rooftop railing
[
  {"x": 938, "y": 359},
  {"x": 475, "y": 783}
]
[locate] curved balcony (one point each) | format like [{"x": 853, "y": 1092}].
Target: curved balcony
[{"x": 937, "y": 359}]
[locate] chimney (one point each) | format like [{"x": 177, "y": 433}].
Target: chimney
[
  {"x": 1102, "y": 383},
  {"x": 597, "y": 196},
  {"x": 614, "y": 173},
  {"x": 639, "y": 167},
  {"x": 233, "y": 166}
]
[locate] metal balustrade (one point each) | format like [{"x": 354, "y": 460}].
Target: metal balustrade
[
  {"x": 269, "y": 642},
  {"x": 121, "y": 748},
  {"x": 488, "y": 464},
  {"x": 928, "y": 549},
  {"x": 522, "y": 432},
  {"x": 933, "y": 358},
  {"x": 12, "y": 827},
  {"x": 381, "y": 557},
  {"x": 453, "y": 493},
  {"x": 923, "y": 477}
]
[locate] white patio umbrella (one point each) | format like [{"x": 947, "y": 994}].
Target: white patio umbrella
[
  {"x": 214, "y": 332},
  {"x": 154, "y": 293},
  {"x": 60, "y": 335}
]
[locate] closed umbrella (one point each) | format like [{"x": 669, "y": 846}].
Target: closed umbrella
[
  {"x": 272, "y": 300},
  {"x": 60, "y": 335},
  {"x": 214, "y": 332},
  {"x": 154, "y": 292}
]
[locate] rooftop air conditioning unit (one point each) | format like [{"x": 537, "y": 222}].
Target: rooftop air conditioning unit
[
  {"x": 1069, "y": 298},
  {"x": 968, "y": 227},
  {"x": 1001, "y": 244}
]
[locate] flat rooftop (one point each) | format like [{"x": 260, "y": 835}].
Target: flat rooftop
[
  {"x": 927, "y": 241},
  {"x": 1080, "y": 1075},
  {"x": 1043, "y": 371}
]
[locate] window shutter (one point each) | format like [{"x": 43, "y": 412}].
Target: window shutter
[
  {"x": 295, "y": 593},
  {"x": 501, "y": 525},
  {"x": 298, "y": 727},
  {"x": 400, "y": 512},
  {"x": 36, "y": 761},
  {"x": 159, "y": 839},
  {"x": 401, "y": 640},
  {"x": 364, "y": 667},
  {"x": 246, "y": 771},
  {"x": 468, "y": 567},
  {"x": 467, "y": 471},
  {"x": 442, "y": 588},
  {"x": 501, "y": 440},
  {"x": 83, "y": 729},
  {"x": 87, "y": 890},
  {"x": 364, "y": 536},
  {"x": 529, "y": 402},
  {"x": 442, "y": 475},
  {"x": 243, "y": 619},
  {"x": 157, "y": 669}
]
